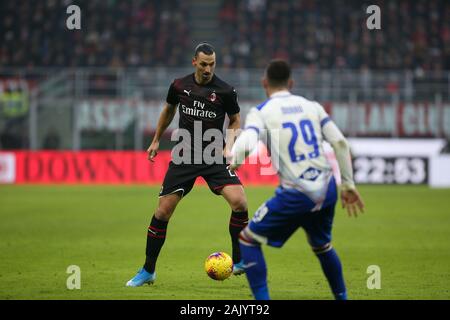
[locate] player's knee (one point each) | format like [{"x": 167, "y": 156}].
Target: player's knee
[
  {"x": 322, "y": 249},
  {"x": 163, "y": 213},
  {"x": 239, "y": 205}
]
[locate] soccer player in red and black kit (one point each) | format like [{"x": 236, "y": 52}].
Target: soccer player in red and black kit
[{"x": 203, "y": 101}]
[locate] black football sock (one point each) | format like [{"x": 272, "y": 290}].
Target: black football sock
[
  {"x": 155, "y": 240},
  {"x": 238, "y": 222}
]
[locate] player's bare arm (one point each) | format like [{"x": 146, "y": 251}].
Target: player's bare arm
[
  {"x": 232, "y": 133},
  {"x": 165, "y": 118}
]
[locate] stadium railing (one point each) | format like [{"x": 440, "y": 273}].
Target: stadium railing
[{"x": 101, "y": 108}]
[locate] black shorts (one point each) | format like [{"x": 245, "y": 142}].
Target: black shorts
[{"x": 181, "y": 177}]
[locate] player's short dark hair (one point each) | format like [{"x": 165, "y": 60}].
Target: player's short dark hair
[
  {"x": 278, "y": 73},
  {"x": 204, "y": 47}
]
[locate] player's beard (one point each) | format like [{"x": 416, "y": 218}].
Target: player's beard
[{"x": 206, "y": 76}]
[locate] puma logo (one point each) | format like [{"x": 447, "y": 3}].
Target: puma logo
[
  {"x": 187, "y": 92},
  {"x": 249, "y": 265}
]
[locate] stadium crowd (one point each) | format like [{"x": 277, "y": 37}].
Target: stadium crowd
[
  {"x": 114, "y": 33},
  {"x": 333, "y": 34},
  {"x": 319, "y": 34}
]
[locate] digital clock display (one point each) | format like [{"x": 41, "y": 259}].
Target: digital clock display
[{"x": 390, "y": 170}]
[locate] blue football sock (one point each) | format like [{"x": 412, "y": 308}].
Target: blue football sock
[
  {"x": 332, "y": 268},
  {"x": 255, "y": 271}
]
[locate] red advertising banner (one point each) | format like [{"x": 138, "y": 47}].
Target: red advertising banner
[{"x": 100, "y": 167}]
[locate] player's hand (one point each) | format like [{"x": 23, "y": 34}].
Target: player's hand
[
  {"x": 152, "y": 151},
  {"x": 352, "y": 201}
]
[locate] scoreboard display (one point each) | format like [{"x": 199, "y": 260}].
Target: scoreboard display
[{"x": 390, "y": 170}]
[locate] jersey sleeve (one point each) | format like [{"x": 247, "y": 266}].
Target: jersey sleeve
[
  {"x": 324, "y": 118},
  {"x": 245, "y": 143},
  {"x": 331, "y": 132},
  {"x": 329, "y": 129},
  {"x": 231, "y": 103},
  {"x": 341, "y": 148},
  {"x": 248, "y": 139},
  {"x": 254, "y": 121},
  {"x": 172, "y": 96}
]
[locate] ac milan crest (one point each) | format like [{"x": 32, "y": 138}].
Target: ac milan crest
[{"x": 212, "y": 97}]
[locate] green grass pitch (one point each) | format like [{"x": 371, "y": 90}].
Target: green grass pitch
[{"x": 102, "y": 229}]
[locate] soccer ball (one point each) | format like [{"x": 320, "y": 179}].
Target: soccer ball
[{"x": 219, "y": 266}]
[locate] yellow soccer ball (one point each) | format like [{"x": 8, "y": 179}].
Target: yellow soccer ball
[{"x": 219, "y": 266}]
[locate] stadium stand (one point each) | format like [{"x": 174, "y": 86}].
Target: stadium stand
[
  {"x": 128, "y": 51},
  {"x": 318, "y": 34},
  {"x": 114, "y": 33},
  {"x": 333, "y": 34}
]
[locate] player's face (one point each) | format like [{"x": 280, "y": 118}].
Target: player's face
[{"x": 204, "y": 66}]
